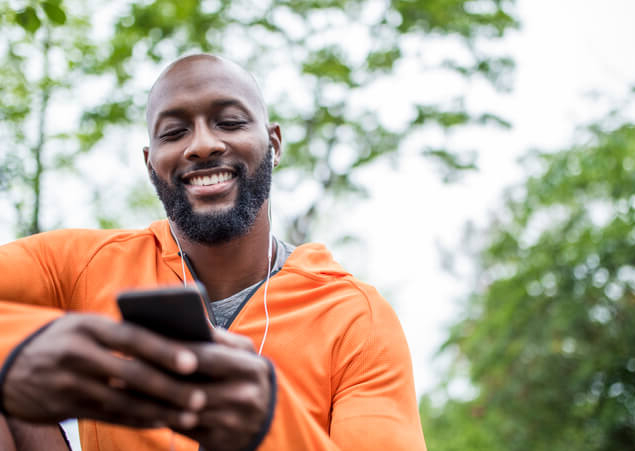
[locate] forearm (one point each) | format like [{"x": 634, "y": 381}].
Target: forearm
[
  {"x": 293, "y": 427},
  {"x": 19, "y": 435},
  {"x": 32, "y": 289},
  {"x": 6, "y": 437},
  {"x": 36, "y": 437},
  {"x": 20, "y": 325},
  {"x": 18, "y": 322}
]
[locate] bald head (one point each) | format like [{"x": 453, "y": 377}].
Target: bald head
[{"x": 181, "y": 75}]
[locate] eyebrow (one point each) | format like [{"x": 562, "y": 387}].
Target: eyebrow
[{"x": 180, "y": 112}]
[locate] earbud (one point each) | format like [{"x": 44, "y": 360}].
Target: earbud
[{"x": 273, "y": 156}]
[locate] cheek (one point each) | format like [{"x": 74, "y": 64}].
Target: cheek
[
  {"x": 163, "y": 159},
  {"x": 253, "y": 149}
]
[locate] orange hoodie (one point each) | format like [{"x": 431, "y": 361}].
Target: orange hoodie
[{"x": 344, "y": 376}]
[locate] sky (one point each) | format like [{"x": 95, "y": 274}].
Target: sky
[{"x": 566, "y": 52}]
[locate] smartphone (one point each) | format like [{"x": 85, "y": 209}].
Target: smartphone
[{"x": 176, "y": 312}]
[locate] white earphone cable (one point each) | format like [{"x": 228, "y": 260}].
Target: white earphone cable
[
  {"x": 269, "y": 256},
  {"x": 264, "y": 299},
  {"x": 180, "y": 253}
]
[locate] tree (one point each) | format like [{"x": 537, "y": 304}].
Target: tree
[
  {"x": 40, "y": 58},
  {"x": 329, "y": 133},
  {"x": 548, "y": 339}
]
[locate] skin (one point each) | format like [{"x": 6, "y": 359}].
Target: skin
[
  {"x": 6, "y": 437},
  {"x": 35, "y": 437},
  {"x": 210, "y": 109}
]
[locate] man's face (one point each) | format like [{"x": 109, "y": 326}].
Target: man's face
[{"x": 209, "y": 156}]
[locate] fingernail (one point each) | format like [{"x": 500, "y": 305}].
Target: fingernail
[
  {"x": 188, "y": 420},
  {"x": 197, "y": 399},
  {"x": 185, "y": 361}
]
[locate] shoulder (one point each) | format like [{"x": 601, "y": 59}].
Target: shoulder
[
  {"x": 73, "y": 244},
  {"x": 84, "y": 237},
  {"x": 315, "y": 265},
  {"x": 366, "y": 333}
]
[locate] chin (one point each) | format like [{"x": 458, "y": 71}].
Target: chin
[{"x": 212, "y": 211}]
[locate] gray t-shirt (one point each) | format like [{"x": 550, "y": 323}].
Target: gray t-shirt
[{"x": 226, "y": 309}]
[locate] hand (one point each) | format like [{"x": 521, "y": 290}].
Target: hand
[
  {"x": 238, "y": 395},
  {"x": 70, "y": 370}
]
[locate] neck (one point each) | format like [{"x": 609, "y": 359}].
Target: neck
[{"x": 229, "y": 267}]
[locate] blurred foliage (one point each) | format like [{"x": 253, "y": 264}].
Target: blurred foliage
[
  {"x": 549, "y": 338},
  {"x": 310, "y": 37},
  {"x": 40, "y": 57}
]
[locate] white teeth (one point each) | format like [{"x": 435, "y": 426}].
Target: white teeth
[{"x": 210, "y": 180}]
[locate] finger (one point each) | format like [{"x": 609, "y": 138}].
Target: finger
[
  {"x": 224, "y": 337},
  {"x": 88, "y": 397},
  {"x": 236, "y": 396},
  {"x": 139, "y": 342},
  {"x": 135, "y": 375},
  {"x": 225, "y": 430},
  {"x": 220, "y": 362},
  {"x": 234, "y": 421},
  {"x": 220, "y": 438},
  {"x": 98, "y": 401}
]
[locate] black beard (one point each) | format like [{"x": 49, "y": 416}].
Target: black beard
[{"x": 218, "y": 227}]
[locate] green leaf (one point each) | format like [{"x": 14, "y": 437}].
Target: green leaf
[
  {"x": 28, "y": 19},
  {"x": 451, "y": 160},
  {"x": 383, "y": 60},
  {"x": 54, "y": 12}
]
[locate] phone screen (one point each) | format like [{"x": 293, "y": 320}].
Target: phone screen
[{"x": 176, "y": 312}]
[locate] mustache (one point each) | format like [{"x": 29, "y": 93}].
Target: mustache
[{"x": 239, "y": 168}]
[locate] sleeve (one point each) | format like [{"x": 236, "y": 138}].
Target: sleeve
[
  {"x": 293, "y": 427},
  {"x": 374, "y": 403},
  {"x": 375, "y": 406},
  {"x": 36, "y": 279}
]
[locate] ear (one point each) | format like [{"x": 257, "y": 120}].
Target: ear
[
  {"x": 275, "y": 138},
  {"x": 146, "y": 157}
]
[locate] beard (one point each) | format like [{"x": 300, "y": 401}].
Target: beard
[{"x": 222, "y": 226}]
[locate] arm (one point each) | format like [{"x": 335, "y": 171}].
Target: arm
[
  {"x": 57, "y": 365},
  {"x": 6, "y": 438},
  {"x": 31, "y": 290},
  {"x": 37, "y": 437},
  {"x": 375, "y": 405},
  {"x": 373, "y": 396},
  {"x": 89, "y": 366}
]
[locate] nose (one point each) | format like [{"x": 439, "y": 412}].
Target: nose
[{"x": 204, "y": 142}]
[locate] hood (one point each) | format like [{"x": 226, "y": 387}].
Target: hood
[{"x": 314, "y": 258}]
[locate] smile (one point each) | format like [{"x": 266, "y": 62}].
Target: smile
[{"x": 208, "y": 180}]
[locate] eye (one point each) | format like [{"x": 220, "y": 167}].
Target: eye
[
  {"x": 232, "y": 124},
  {"x": 172, "y": 134}
]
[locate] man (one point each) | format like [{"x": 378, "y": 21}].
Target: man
[{"x": 335, "y": 370}]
